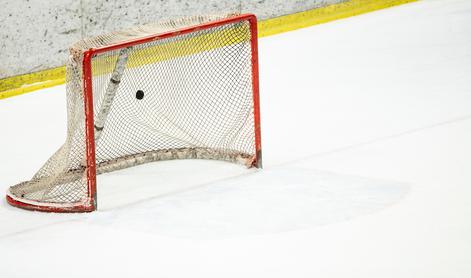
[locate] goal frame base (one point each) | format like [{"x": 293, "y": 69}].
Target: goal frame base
[
  {"x": 49, "y": 207},
  {"x": 88, "y": 205}
]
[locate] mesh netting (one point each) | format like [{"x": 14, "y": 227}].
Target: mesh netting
[{"x": 185, "y": 96}]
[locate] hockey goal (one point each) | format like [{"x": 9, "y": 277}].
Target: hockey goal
[{"x": 181, "y": 89}]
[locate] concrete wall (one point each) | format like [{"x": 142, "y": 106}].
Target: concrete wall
[{"x": 35, "y": 34}]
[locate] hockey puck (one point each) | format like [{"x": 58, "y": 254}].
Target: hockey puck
[{"x": 140, "y": 94}]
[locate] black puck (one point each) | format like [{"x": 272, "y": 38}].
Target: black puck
[{"x": 140, "y": 94}]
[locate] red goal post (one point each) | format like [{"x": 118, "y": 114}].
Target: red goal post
[{"x": 87, "y": 203}]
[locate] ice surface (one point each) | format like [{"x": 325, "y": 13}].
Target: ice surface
[
  {"x": 275, "y": 200},
  {"x": 366, "y": 132}
]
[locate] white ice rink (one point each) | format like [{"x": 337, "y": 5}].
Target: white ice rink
[{"x": 366, "y": 134}]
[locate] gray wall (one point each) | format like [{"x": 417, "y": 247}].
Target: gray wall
[{"x": 35, "y": 34}]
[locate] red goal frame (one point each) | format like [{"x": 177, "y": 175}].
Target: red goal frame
[{"x": 90, "y": 204}]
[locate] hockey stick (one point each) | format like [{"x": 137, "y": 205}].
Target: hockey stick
[{"x": 110, "y": 92}]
